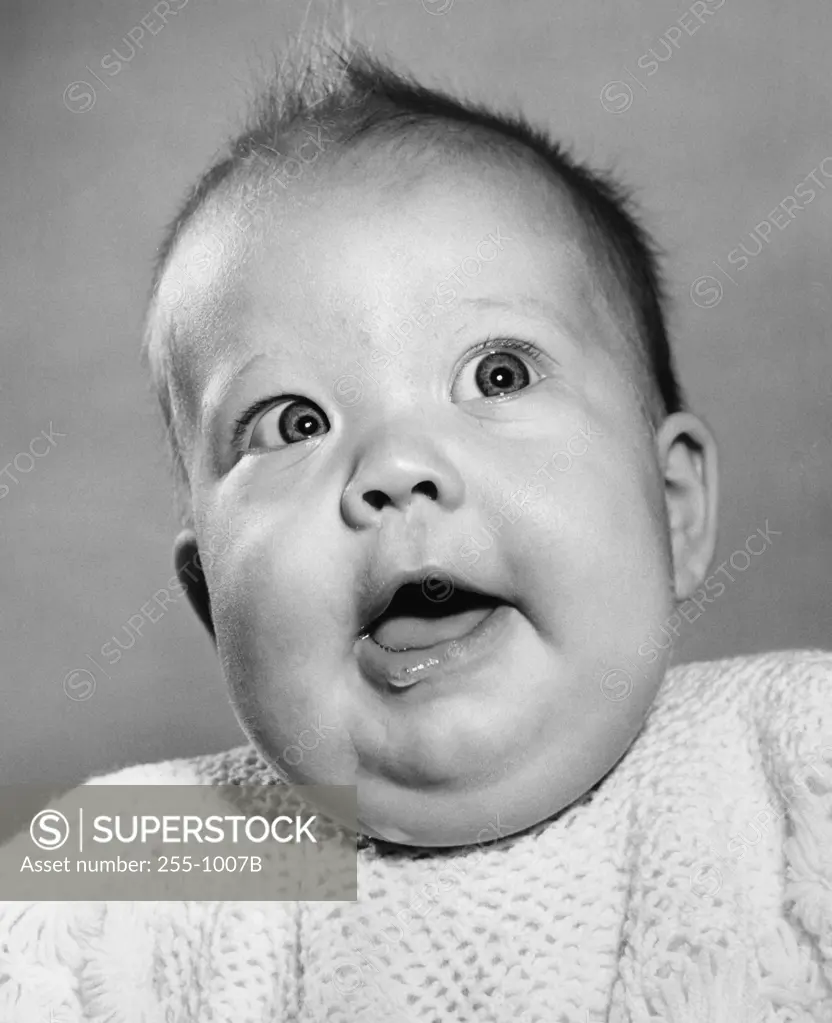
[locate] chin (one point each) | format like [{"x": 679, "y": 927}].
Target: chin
[{"x": 448, "y": 817}]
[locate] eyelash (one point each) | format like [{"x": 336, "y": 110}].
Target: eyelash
[
  {"x": 253, "y": 411},
  {"x": 494, "y": 344},
  {"x": 490, "y": 344}
]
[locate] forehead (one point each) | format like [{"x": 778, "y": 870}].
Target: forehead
[{"x": 322, "y": 261}]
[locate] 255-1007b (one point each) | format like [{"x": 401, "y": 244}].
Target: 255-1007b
[{"x": 209, "y": 864}]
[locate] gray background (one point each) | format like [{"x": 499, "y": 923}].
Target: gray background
[{"x": 713, "y": 140}]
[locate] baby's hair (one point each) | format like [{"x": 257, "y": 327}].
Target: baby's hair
[{"x": 360, "y": 99}]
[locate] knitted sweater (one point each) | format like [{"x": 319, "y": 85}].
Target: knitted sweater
[{"x": 692, "y": 885}]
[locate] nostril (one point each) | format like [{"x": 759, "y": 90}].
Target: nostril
[
  {"x": 428, "y": 488},
  {"x": 377, "y": 499}
]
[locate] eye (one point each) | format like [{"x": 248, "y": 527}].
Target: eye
[
  {"x": 279, "y": 423},
  {"x": 501, "y": 370}
]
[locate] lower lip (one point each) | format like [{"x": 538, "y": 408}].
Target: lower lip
[{"x": 402, "y": 669}]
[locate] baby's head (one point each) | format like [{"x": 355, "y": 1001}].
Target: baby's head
[{"x": 417, "y": 382}]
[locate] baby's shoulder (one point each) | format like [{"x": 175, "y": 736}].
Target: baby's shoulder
[
  {"x": 760, "y": 685},
  {"x": 778, "y": 703},
  {"x": 791, "y": 709}
]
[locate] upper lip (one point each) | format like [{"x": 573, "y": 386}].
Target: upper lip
[{"x": 379, "y": 596}]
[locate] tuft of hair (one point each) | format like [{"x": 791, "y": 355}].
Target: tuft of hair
[{"x": 337, "y": 85}]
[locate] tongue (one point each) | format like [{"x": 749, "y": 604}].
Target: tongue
[{"x": 406, "y": 633}]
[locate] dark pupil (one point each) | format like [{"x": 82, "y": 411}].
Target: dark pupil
[
  {"x": 499, "y": 372},
  {"x": 299, "y": 421}
]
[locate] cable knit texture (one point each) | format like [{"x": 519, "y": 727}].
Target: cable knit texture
[{"x": 692, "y": 885}]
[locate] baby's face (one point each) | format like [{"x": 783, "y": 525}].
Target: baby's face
[{"x": 439, "y": 536}]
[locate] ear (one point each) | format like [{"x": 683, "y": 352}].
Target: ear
[
  {"x": 192, "y": 577},
  {"x": 687, "y": 454}
]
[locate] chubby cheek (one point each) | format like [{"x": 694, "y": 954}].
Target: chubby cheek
[
  {"x": 595, "y": 592},
  {"x": 591, "y": 560},
  {"x": 275, "y": 626}
]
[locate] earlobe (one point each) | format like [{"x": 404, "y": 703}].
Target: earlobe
[
  {"x": 687, "y": 453},
  {"x": 191, "y": 577}
]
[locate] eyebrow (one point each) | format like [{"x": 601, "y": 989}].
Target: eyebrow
[{"x": 548, "y": 309}]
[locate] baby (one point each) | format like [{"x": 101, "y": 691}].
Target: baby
[{"x": 443, "y": 509}]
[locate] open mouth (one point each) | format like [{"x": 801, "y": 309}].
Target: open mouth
[{"x": 416, "y": 619}]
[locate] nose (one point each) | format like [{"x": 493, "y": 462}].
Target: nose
[{"x": 396, "y": 471}]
